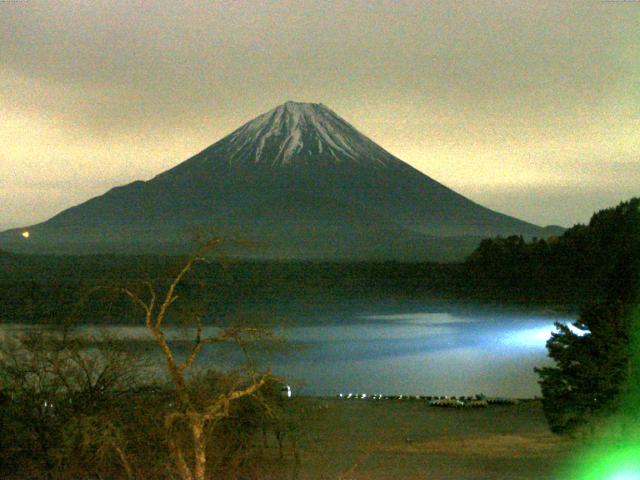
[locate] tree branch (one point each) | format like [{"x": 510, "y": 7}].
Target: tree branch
[
  {"x": 197, "y": 346},
  {"x": 183, "y": 469},
  {"x": 221, "y": 408}
]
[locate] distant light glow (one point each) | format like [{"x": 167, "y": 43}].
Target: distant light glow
[
  {"x": 26, "y": 234},
  {"x": 535, "y": 337},
  {"x": 530, "y": 337}
]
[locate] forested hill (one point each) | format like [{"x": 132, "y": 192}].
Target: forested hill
[
  {"x": 47, "y": 288},
  {"x": 588, "y": 263}
]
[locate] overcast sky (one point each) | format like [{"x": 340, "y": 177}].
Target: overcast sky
[{"x": 528, "y": 107}]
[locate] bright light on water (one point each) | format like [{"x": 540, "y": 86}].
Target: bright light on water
[
  {"x": 531, "y": 337},
  {"x": 535, "y": 337},
  {"x": 417, "y": 353}
]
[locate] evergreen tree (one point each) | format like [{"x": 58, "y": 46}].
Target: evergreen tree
[{"x": 593, "y": 360}]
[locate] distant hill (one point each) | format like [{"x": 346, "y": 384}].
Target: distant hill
[
  {"x": 300, "y": 182},
  {"x": 599, "y": 261}
]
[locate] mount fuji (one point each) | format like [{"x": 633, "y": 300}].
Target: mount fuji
[{"x": 300, "y": 182}]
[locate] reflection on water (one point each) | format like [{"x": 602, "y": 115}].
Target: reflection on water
[
  {"x": 423, "y": 353},
  {"x": 417, "y": 353}
]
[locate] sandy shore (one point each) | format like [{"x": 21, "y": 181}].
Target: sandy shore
[{"x": 360, "y": 439}]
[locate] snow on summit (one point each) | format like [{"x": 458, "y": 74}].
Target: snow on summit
[{"x": 302, "y": 132}]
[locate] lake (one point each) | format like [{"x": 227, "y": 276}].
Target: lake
[{"x": 419, "y": 351}]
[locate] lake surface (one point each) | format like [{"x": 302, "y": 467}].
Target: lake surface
[
  {"x": 422, "y": 354},
  {"x": 416, "y": 352}
]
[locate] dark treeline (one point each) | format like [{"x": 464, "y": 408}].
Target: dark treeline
[
  {"x": 595, "y": 373},
  {"x": 587, "y": 264},
  {"x": 561, "y": 272},
  {"x": 48, "y": 289}
]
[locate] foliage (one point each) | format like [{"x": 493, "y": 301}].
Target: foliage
[
  {"x": 45, "y": 289},
  {"x": 92, "y": 416},
  {"x": 594, "y": 362},
  {"x": 47, "y": 380},
  {"x": 73, "y": 406},
  {"x": 593, "y": 262}
]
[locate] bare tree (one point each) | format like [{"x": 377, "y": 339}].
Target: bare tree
[
  {"x": 54, "y": 382},
  {"x": 196, "y": 416}
]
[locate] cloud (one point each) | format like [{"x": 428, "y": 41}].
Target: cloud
[
  {"x": 553, "y": 205},
  {"x": 480, "y": 92}
]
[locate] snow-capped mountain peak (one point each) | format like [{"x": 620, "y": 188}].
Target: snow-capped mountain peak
[
  {"x": 298, "y": 179},
  {"x": 307, "y": 133}
]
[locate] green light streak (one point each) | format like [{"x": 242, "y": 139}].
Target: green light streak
[
  {"x": 614, "y": 454},
  {"x": 610, "y": 463}
]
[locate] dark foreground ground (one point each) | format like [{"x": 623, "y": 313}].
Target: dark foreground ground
[{"x": 394, "y": 439}]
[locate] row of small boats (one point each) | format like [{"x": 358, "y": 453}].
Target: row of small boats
[{"x": 469, "y": 401}]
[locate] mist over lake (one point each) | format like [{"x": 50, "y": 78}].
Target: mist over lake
[
  {"x": 401, "y": 348},
  {"x": 421, "y": 353}
]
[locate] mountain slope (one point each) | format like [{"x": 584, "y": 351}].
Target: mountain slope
[{"x": 301, "y": 181}]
